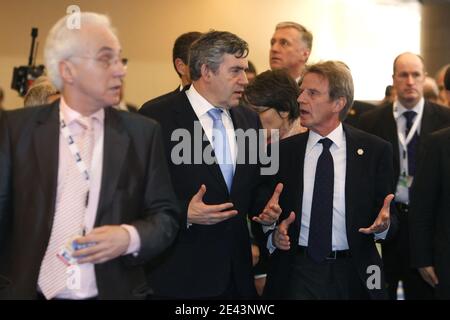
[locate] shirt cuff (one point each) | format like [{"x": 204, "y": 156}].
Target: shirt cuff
[
  {"x": 135, "y": 241},
  {"x": 382, "y": 235},
  {"x": 269, "y": 228}
]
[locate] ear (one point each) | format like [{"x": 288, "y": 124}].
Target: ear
[
  {"x": 206, "y": 72},
  {"x": 67, "y": 71},
  {"x": 340, "y": 104},
  {"x": 305, "y": 53},
  {"x": 180, "y": 66}
]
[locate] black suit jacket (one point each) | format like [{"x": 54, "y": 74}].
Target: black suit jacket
[
  {"x": 205, "y": 259},
  {"x": 381, "y": 123},
  {"x": 135, "y": 189},
  {"x": 430, "y": 209},
  {"x": 357, "y": 110},
  {"x": 369, "y": 179},
  {"x": 166, "y": 95}
]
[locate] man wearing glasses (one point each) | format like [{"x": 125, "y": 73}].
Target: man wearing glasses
[{"x": 85, "y": 195}]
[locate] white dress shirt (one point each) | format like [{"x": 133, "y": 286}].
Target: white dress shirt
[
  {"x": 338, "y": 151},
  {"x": 88, "y": 285},
  {"x": 402, "y": 192},
  {"x": 201, "y": 107}
]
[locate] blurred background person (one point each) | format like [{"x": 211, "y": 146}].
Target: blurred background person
[
  {"x": 180, "y": 60},
  {"x": 290, "y": 47},
  {"x": 273, "y": 95},
  {"x": 2, "y": 97},
  {"x": 443, "y": 99},
  {"x": 431, "y": 90},
  {"x": 41, "y": 92},
  {"x": 251, "y": 72},
  {"x": 389, "y": 95}
]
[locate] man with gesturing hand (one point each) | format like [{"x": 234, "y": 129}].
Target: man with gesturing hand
[
  {"x": 338, "y": 184},
  {"x": 211, "y": 257}
]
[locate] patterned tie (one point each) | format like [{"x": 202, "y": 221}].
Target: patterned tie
[
  {"x": 321, "y": 221},
  {"x": 69, "y": 215},
  {"x": 412, "y": 145},
  {"x": 221, "y": 146}
]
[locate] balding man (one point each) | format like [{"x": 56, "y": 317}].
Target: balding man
[{"x": 406, "y": 124}]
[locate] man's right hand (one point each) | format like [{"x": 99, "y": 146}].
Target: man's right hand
[
  {"x": 201, "y": 213},
  {"x": 280, "y": 238},
  {"x": 429, "y": 275}
]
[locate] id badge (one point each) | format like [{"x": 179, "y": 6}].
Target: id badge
[
  {"x": 66, "y": 253},
  {"x": 403, "y": 181}
]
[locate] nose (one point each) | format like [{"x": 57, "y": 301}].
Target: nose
[
  {"x": 243, "y": 79},
  {"x": 301, "y": 97}
]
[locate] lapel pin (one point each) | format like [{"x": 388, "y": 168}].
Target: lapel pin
[{"x": 360, "y": 152}]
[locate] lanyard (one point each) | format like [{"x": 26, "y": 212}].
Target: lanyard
[{"x": 401, "y": 135}]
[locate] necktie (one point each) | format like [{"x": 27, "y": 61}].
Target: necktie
[
  {"x": 320, "y": 225},
  {"x": 412, "y": 145},
  {"x": 69, "y": 215},
  {"x": 221, "y": 146}
]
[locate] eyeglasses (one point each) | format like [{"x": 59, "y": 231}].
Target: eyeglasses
[{"x": 107, "y": 61}]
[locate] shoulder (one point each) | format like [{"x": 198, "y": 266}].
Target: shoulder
[
  {"x": 164, "y": 105},
  {"x": 365, "y": 138}
]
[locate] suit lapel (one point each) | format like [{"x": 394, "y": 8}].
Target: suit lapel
[
  {"x": 354, "y": 170},
  {"x": 185, "y": 117},
  {"x": 47, "y": 133},
  {"x": 115, "y": 149}
]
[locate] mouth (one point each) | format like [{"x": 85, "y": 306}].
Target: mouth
[{"x": 304, "y": 112}]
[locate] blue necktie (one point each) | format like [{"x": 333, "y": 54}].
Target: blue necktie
[
  {"x": 321, "y": 221},
  {"x": 412, "y": 145},
  {"x": 221, "y": 146}
]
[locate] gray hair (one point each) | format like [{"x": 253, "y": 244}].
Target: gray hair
[
  {"x": 210, "y": 48},
  {"x": 62, "y": 42},
  {"x": 340, "y": 82},
  {"x": 306, "y": 35}
]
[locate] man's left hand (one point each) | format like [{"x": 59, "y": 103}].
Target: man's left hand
[
  {"x": 272, "y": 210},
  {"x": 383, "y": 220},
  {"x": 108, "y": 242}
]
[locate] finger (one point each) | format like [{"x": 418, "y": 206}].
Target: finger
[
  {"x": 387, "y": 202},
  {"x": 276, "y": 194},
  {"x": 99, "y": 257},
  {"x": 220, "y": 216},
  {"x": 263, "y": 221},
  {"x": 368, "y": 230},
  {"x": 433, "y": 277},
  {"x": 211, "y": 208},
  {"x": 200, "y": 193},
  {"x": 91, "y": 250},
  {"x": 287, "y": 222}
]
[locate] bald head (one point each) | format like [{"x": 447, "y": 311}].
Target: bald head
[{"x": 409, "y": 78}]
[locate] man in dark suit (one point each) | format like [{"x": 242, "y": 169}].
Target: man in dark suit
[
  {"x": 180, "y": 57},
  {"x": 356, "y": 111},
  {"x": 405, "y": 124},
  {"x": 85, "y": 194},
  {"x": 337, "y": 192},
  {"x": 211, "y": 257},
  {"x": 429, "y": 216}
]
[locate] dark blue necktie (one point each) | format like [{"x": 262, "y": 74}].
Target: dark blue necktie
[
  {"x": 321, "y": 221},
  {"x": 412, "y": 145}
]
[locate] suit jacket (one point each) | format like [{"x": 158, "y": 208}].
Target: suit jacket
[
  {"x": 369, "y": 179},
  {"x": 166, "y": 95},
  {"x": 135, "y": 190},
  {"x": 205, "y": 259},
  {"x": 430, "y": 209},
  {"x": 381, "y": 123},
  {"x": 357, "y": 110}
]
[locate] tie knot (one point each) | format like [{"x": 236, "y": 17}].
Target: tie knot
[
  {"x": 409, "y": 115},
  {"x": 85, "y": 122},
  {"x": 326, "y": 143},
  {"x": 215, "y": 114}
]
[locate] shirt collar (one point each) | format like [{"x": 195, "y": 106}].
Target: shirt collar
[
  {"x": 200, "y": 104},
  {"x": 399, "y": 109},
  {"x": 71, "y": 115},
  {"x": 337, "y": 136}
]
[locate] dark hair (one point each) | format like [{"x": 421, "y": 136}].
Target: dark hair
[
  {"x": 274, "y": 89},
  {"x": 251, "y": 68},
  {"x": 447, "y": 79},
  {"x": 182, "y": 45},
  {"x": 210, "y": 48}
]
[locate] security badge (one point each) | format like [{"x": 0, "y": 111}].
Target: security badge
[
  {"x": 66, "y": 253},
  {"x": 405, "y": 180}
]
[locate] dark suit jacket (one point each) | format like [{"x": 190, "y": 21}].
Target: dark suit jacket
[
  {"x": 205, "y": 257},
  {"x": 430, "y": 209},
  {"x": 369, "y": 179},
  {"x": 135, "y": 189},
  {"x": 357, "y": 110},
  {"x": 165, "y": 96},
  {"x": 381, "y": 123}
]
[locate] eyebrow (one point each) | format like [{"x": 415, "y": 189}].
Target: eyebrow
[{"x": 107, "y": 49}]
